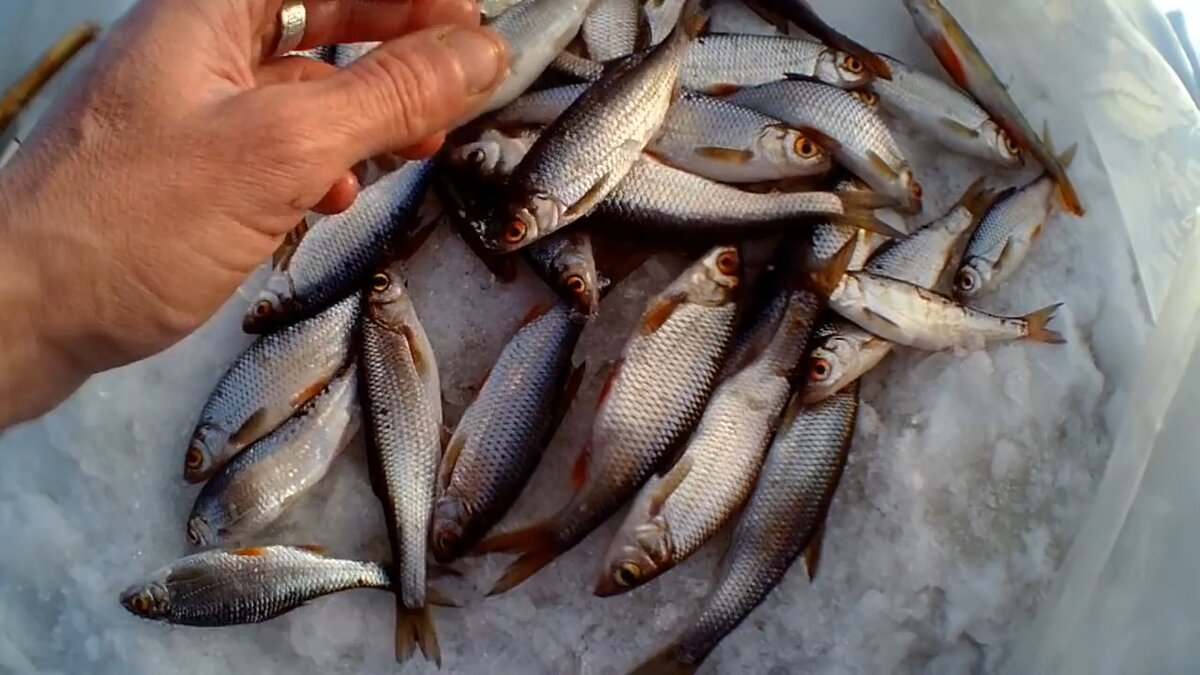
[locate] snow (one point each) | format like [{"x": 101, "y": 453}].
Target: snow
[{"x": 970, "y": 475}]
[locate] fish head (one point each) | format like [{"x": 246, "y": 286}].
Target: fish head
[
  {"x": 841, "y": 356},
  {"x": 272, "y": 304},
  {"x": 448, "y": 531},
  {"x": 480, "y": 157},
  {"x": 791, "y": 147},
  {"x": 576, "y": 268},
  {"x": 717, "y": 277},
  {"x": 841, "y": 69},
  {"x": 540, "y": 213},
  {"x": 971, "y": 278},
  {"x": 1004, "y": 147},
  {"x": 149, "y": 600},
  {"x": 206, "y": 441},
  {"x": 636, "y": 558},
  {"x": 200, "y": 532}
]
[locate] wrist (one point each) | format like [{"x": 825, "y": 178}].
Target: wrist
[{"x": 36, "y": 370}]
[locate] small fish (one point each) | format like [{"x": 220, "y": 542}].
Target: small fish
[
  {"x": 404, "y": 415},
  {"x": 801, "y": 13},
  {"x": 536, "y": 32},
  {"x": 501, "y": 436},
  {"x": 850, "y": 130},
  {"x": 268, "y": 383},
  {"x": 912, "y": 316},
  {"x": 843, "y": 352},
  {"x": 679, "y": 511},
  {"x": 965, "y": 63},
  {"x": 339, "y": 251},
  {"x": 722, "y": 63},
  {"x": 494, "y": 155},
  {"x": 262, "y": 481},
  {"x": 652, "y": 399},
  {"x": 610, "y": 30},
  {"x": 661, "y": 199},
  {"x": 229, "y": 587},
  {"x": 700, "y": 134},
  {"x": 782, "y": 519},
  {"x": 947, "y": 114},
  {"x": 566, "y": 263},
  {"x": 1006, "y": 235},
  {"x": 580, "y": 158}
]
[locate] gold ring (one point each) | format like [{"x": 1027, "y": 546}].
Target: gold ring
[{"x": 293, "y": 19}]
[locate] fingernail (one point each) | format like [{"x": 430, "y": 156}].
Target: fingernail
[{"x": 481, "y": 54}]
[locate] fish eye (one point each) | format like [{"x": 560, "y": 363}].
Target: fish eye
[
  {"x": 853, "y": 65},
  {"x": 381, "y": 282},
  {"x": 627, "y": 574},
  {"x": 1010, "y": 144},
  {"x": 514, "y": 232},
  {"x": 727, "y": 263},
  {"x": 805, "y": 148},
  {"x": 194, "y": 459},
  {"x": 820, "y": 370},
  {"x": 576, "y": 284},
  {"x": 262, "y": 309},
  {"x": 140, "y": 603},
  {"x": 476, "y": 156},
  {"x": 866, "y": 97},
  {"x": 965, "y": 281}
]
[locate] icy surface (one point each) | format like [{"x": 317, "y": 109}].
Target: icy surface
[{"x": 969, "y": 477}]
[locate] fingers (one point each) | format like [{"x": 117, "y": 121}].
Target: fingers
[
  {"x": 407, "y": 90},
  {"x": 340, "y": 197},
  {"x": 293, "y": 69},
  {"x": 340, "y": 21},
  {"x": 425, "y": 148}
]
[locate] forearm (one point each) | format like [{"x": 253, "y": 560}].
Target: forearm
[{"x": 36, "y": 373}]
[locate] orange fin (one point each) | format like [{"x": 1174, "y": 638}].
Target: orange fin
[
  {"x": 532, "y": 315},
  {"x": 881, "y": 165},
  {"x": 606, "y": 389},
  {"x": 255, "y": 428},
  {"x": 414, "y": 627},
  {"x": 518, "y": 541},
  {"x": 579, "y": 470},
  {"x": 438, "y": 599},
  {"x": 812, "y": 554},
  {"x": 308, "y": 393},
  {"x": 314, "y": 548},
  {"x": 669, "y": 484},
  {"x": 721, "y": 89},
  {"x": 726, "y": 155},
  {"x": 524, "y": 567},
  {"x": 590, "y": 199},
  {"x": 824, "y": 281},
  {"x": 422, "y": 361},
  {"x": 1038, "y": 329},
  {"x": 251, "y": 551},
  {"x": 858, "y": 210},
  {"x": 949, "y": 59},
  {"x": 660, "y": 312},
  {"x": 569, "y": 391}
]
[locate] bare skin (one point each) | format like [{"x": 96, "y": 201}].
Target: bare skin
[{"x": 182, "y": 155}]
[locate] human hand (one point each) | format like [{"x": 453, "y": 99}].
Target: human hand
[{"x": 186, "y": 152}]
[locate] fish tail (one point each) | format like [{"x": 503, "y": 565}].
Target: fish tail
[
  {"x": 665, "y": 662},
  {"x": 825, "y": 279},
  {"x": 1038, "y": 326},
  {"x": 1067, "y": 198},
  {"x": 858, "y": 210},
  {"x": 694, "y": 18},
  {"x": 536, "y": 545},
  {"x": 414, "y": 628}
]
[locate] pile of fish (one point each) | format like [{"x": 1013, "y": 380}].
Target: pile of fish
[{"x": 623, "y": 128}]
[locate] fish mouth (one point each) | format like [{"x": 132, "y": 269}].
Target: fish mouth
[{"x": 199, "y": 532}]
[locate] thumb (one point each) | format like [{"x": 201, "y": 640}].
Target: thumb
[{"x": 408, "y": 89}]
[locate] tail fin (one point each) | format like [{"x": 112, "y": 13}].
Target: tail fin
[
  {"x": 537, "y": 546},
  {"x": 1038, "y": 329},
  {"x": 1068, "y": 199},
  {"x": 825, "y": 280},
  {"x": 665, "y": 662},
  {"x": 414, "y": 627},
  {"x": 858, "y": 210}
]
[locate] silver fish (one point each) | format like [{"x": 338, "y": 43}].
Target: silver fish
[
  {"x": 947, "y": 114},
  {"x": 494, "y": 155},
  {"x": 853, "y": 132},
  {"x": 654, "y": 396},
  {"x": 678, "y": 512},
  {"x": 246, "y": 585},
  {"x": 501, "y": 436},
  {"x": 781, "y": 520},
  {"x": 610, "y": 30},
  {"x": 567, "y": 264},
  {"x": 262, "y": 481},
  {"x": 801, "y": 13},
  {"x": 592, "y": 145},
  {"x": 340, "y": 251},
  {"x": 1006, "y": 235},
  {"x": 536, "y": 31},
  {"x": 912, "y": 316},
  {"x": 404, "y": 414},
  {"x": 345, "y": 54},
  {"x": 722, "y": 63},
  {"x": 268, "y": 383}
]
